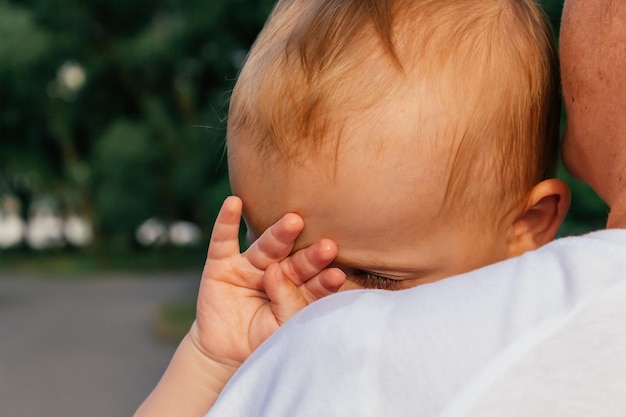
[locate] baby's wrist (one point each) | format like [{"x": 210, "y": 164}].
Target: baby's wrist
[
  {"x": 190, "y": 385},
  {"x": 219, "y": 369}
]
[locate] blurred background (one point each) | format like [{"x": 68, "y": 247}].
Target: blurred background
[
  {"x": 112, "y": 169},
  {"x": 112, "y": 121}
]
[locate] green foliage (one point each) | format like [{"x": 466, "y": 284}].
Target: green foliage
[
  {"x": 17, "y": 29},
  {"x": 587, "y": 212},
  {"x": 138, "y": 132},
  {"x": 173, "y": 321},
  {"x": 116, "y": 107},
  {"x": 126, "y": 176}
]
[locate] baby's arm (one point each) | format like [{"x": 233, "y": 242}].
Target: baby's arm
[{"x": 243, "y": 299}]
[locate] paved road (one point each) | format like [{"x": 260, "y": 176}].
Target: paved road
[{"x": 82, "y": 348}]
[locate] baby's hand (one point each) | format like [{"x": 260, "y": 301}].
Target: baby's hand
[{"x": 245, "y": 297}]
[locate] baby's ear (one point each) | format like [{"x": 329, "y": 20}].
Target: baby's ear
[{"x": 540, "y": 220}]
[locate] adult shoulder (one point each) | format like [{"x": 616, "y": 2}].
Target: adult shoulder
[{"x": 431, "y": 350}]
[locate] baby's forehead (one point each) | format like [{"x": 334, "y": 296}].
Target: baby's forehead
[
  {"x": 363, "y": 168},
  {"x": 408, "y": 143},
  {"x": 409, "y": 123}
]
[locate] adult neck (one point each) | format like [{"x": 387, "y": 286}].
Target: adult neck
[{"x": 617, "y": 215}]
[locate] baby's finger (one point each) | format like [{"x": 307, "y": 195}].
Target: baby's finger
[
  {"x": 286, "y": 299},
  {"x": 310, "y": 261},
  {"x": 225, "y": 236},
  {"x": 276, "y": 242},
  {"x": 327, "y": 282}
]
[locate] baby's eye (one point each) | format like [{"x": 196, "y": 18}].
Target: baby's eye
[{"x": 373, "y": 281}]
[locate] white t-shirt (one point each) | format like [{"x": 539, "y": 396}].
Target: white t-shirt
[{"x": 543, "y": 334}]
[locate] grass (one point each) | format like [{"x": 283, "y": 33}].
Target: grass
[
  {"x": 173, "y": 321},
  {"x": 86, "y": 263}
]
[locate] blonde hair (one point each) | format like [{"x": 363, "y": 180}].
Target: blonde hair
[{"x": 489, "y": 65}]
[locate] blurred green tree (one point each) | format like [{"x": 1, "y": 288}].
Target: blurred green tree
[{"x": 116, "y": 107}]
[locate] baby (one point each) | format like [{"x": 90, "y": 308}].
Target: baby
[{"x": 414, "y": 139}]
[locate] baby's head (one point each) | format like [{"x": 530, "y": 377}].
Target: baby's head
[{"x": 417, "y": 134}]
